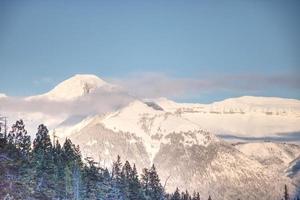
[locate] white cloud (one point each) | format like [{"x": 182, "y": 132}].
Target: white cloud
[{"x": 157, "y": 85}]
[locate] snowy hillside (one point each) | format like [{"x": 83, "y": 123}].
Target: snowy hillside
[{"x": 275, "y": 156}]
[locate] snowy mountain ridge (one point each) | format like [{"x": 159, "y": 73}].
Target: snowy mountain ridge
[
  {"x": 154, "y": 125},
  {"x": 239, "y": 105},
  {"x": 243, "y": 116}
]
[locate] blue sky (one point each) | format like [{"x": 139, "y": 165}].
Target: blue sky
[{"x": 253, "y": 47}]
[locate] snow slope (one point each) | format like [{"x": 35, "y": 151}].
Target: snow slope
[{"x": 275, "y": 156}]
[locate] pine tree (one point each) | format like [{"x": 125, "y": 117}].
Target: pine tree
[
  {"x": 21, "y": 142},
  {"x": 11, "y": 142},
  {"x": 155, "y": 184},
  {"x": 151, "y": 184},
  {"x": 43, "y": 163},
  {"x": 145, "y": 182},
  {"x": 116, "y": 170},
  {"x": 176, "y": 195},
  {"x": 20, "y": 159},
  {"x": 11, "y": 137},
  {"x": 90, "y": 179},
  {"x": 71, "y": 162},
  {"x": 68, "y": 183},
  {"x": 106, "y": 182},
  {"x": 117, "y": 178},
  {"x": 134, "y": 186},
  {"x": 125, "y": 179},
  {"x": 71, "y": 152},
  {"x": 185, "y": 196},
  {"x": 115, "y": 188},
  {"x": 20, "y": 138},
  {"x": 59, "y": 163}
]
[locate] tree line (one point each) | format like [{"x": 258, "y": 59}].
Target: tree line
[{"x": 48, "y": 170}]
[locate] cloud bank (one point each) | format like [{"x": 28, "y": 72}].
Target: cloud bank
[
  {"x": 137, "y": 86},
  {"x": 158, "y": 85},
  {"x": 98, "y": 102}
]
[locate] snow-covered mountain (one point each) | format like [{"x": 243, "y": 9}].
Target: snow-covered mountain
[
  {"x": 74, "y": 87},
  {"x": 180, "y": 138},
  {"x": 75, "y": 97},
  {"x": 246, "y": 116},
  {"x": 243, "y": 117},
  {"x": 185, "y": 155}
]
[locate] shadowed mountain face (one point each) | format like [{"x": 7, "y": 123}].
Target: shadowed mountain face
[{"x": 293, "y": 171}]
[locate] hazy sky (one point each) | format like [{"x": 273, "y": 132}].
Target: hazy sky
[{"x": 221, "y": 48}]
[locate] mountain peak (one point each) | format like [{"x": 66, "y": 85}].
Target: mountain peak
[
  {"x": 74, "y": 87},
  {"x": 85, "y": 78}
]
